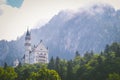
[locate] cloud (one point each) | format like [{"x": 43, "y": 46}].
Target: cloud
[
  {"x": 14, "y": 3},
  {"x": 1, "y": 11},
  {"x": 2, "y": 2}
]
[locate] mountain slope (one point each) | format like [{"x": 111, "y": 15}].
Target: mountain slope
[
  {"x": 70, "y": 31},
  {"x": 86, "y": 30}
]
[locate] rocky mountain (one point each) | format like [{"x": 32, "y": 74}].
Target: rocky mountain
[{"x": 70, "y": 31}]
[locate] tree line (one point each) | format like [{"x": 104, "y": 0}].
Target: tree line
[{"x": 90, "y": 66}]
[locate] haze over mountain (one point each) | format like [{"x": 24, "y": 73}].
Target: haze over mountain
[{"x": 70, "y": 31}]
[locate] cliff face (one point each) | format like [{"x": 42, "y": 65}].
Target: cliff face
[{"x": 84, "y": 30}]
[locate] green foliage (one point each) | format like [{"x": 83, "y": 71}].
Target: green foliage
[
  {"x": 114, "y": 76},
  {"x": 91, "y": 66},
  {"x": 44, "y": 74},
  {"x": 1, "y": 73},
  {"x": 8, "y": 73},
  {"x": 76, "y": 62},
  {"x": 51, "y": 64},
  {"x": 115, "y": 47},
  {"x": 25, "y": 71},
  {"x": 58, "y": 65},
  {"x": 70, "y": 75},
  {"x": 36, "y": 72},
  {"x": 5, "y": 65}
]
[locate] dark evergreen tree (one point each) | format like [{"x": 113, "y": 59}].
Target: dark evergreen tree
[
  {"x": 62, "y": 69},
  {"x": 77, "y": 54},
  {"x": 99, "y": 60},
  {"x": 5, "y": 65},
  {"x": 57, "y": 65},
  {"x": 106, "y": 49},
  {"x": 115, "y": 47},
  {"x": 20, "y": 64},
  {"x": 51, "y": 64},
  {"x": 70, "y": 75},
  {"x": 88, "y": 56}
]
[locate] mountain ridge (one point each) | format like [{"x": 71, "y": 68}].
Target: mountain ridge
[{"x": 69, "y": 31}]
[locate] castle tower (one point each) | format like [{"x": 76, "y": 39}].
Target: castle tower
[
  {"x": 27, "y": 47},
  {"x": 15, "y": 63},
  {"x": 36, "y": 54}
]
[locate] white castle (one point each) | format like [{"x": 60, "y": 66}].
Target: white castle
[{"x": 36, "y": 54}]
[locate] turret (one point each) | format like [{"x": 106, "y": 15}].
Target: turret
[
  {"x": 27, "y": 46},
  {"x": 15, "y": 63},
  {"x": 28, "y": 39}
]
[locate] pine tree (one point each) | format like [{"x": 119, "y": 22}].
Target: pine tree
[
  {"x": 57, "y": 64},
  {"x": 5, "y": 65},
  {"x": 70, "y": 71},
  {"x": 51, "y": 64}
]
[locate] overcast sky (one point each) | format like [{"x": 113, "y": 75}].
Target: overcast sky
[{"x": 17, "y": 15}]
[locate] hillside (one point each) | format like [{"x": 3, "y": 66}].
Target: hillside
[{"x": 70, "y": 31}]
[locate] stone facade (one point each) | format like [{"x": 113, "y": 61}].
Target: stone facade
[{"x": 36, "y": 54}]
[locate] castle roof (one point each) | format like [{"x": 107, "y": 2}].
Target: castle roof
[{"x": 40, "y": 47}]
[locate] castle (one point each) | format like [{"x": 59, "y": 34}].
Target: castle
[{"x": 35, "y": 54}]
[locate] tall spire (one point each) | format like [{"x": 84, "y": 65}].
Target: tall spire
[
  {"x": 27, "y": 46},
  {"x": 28, "y": 35},
  {"x": 28, "y": 32}
]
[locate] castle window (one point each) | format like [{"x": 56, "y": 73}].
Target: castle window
[{"x": 41, "y": 54}]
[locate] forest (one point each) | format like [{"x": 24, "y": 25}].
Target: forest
[{"x": 90, "y": 66}]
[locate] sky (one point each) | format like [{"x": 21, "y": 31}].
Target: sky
[{"x": 18, "y": 15}]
